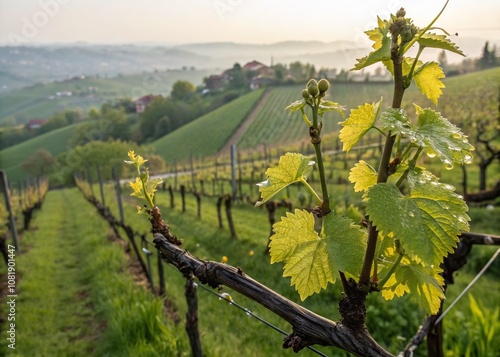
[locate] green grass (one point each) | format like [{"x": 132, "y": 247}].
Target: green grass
[
  {"x": 75, "y": 295},
  {"x": 56, "y": 142},
  {"x": 207, "y": 134},
  {"x": 34, "y": 102}
]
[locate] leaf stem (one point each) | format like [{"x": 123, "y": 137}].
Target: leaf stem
[
  {"x": 409, "y": 76},
  {"x": 311, "y": 190},
  {"x": 322, "y": 176},
  {"x": 306, "y": 119}
]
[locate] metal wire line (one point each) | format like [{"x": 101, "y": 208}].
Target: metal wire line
[{"x": 247, "y": 311}]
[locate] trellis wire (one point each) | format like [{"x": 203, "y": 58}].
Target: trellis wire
[
  {"x": 249, "y": 313},
  {"x": 468, "y": 286}
]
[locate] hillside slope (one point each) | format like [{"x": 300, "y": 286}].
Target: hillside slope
[
  {"x": 56, "y": 142},
  {"x": 41, "y": 101},
  {"x": 206, "y": 135}
]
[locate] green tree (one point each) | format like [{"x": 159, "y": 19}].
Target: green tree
[
  {"x": 181, "y": 90},
  {"x": 237, "y": 77},
  {"x": 39, "y": 164}
]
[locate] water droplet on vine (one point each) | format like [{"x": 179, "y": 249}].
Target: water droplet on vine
[
  {"x": 448, "y": 164},
  {"x": 431, "y": 153}
]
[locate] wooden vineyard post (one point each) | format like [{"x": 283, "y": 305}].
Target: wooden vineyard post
[
  {"x": 219, "y": 211},
  {"x": 161, "y": 276},
  {"x": 193, "y": 174},
  {"x": 234, "y": 188},
  {"x": 149, "y": 271},
  {"x": 183, "y": 198},
  {"x": 229, "y": 216},
  {"x": 171, "y": 193},
  {"x": 198, "y": 203},
  {"x": 12, "y": 223},
  {"x": 118, "y": 193},
  {"x": 99, "y": 177},
  {"x": 192, "y": 317}
]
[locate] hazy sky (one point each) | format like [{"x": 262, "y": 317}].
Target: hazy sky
[{"x": 248, "y": 21}]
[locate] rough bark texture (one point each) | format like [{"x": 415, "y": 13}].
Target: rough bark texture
[
  {"x": 308, "y": 327},
  {"x": 192, "y": 318}
]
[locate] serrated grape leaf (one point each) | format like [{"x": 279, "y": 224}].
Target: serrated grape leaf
[
  {"x": 297, "y": 105},
  {"x": 443, "y": 212},
  {"x": 439, "y": 41},
  {"x": 363, "y": 176},
  {"x": 381, "y": 46},
  {"x": 423, "y": 284},
  {"x": 428, "y": 80},
  {"x": 328, "y": 106},
  {"x": 442, "y": 138},
  {"x": 427, "y": 223},
  {"x": 312, "y": 260},
  {"x": 291, "y": 168},
  {"x": 397, "y": 121},
  {"x": 359, "y": 122}
]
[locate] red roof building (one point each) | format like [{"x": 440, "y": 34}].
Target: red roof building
[
  {"x": 35, "y": 123},
  {"x": 142, "y": 103}
]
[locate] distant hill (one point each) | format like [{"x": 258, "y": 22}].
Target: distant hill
[
  {"x": 56, "y": 142},
  {"x": 25, "y": 65},
  {"x": 41, "y": 101}
]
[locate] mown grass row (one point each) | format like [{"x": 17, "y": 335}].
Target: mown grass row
[{"x": 75, "y": 295}]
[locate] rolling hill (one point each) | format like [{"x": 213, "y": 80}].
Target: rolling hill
[
  {"x": 56, "y": 142},
  {"x": 41, "y": 100}
]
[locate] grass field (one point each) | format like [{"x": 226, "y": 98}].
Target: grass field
[{"x": 34, "y": 102}]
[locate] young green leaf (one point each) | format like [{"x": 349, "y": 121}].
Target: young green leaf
[
  {"x": 430, "y": 219},
  {"x": 357, "y": 125},
  {"x": 328, "y": 106},
  {"x": 311, "y": 260},
  {"x": 382, "y": 45},
  {"x": 423, "y": 284},
  {"x": 428, "y": 80},
  {"x": 439, "y": 41},
  {"x": 363, "y": 176},
  {"x": 291, "y": 168},
  {"x": 442, "y": 138},
  {"x": 297, "y": 105}
]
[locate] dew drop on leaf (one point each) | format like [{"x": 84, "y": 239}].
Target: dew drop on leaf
[
  {"x": 431, "y": 153},
  {"x": 448, "y": 165}
]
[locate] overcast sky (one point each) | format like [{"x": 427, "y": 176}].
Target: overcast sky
[{"x": 244, "y": 21}]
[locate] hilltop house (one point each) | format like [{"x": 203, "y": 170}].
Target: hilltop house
[
  {"x": 262, "y": 74},
  {"x": 217, "y": 81},
  {"x": 35, "y": 124},
  {"x": 142, "y": 103}
]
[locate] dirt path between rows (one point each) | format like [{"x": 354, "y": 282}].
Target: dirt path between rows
[{"x": 243, "y": 127}]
